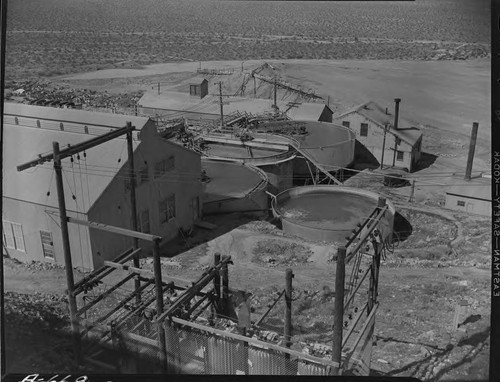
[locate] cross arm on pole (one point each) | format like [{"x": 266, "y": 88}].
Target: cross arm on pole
[{"x": 78, "y": 147}]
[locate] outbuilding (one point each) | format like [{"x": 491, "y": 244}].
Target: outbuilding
[
  {"x": 393, "y": 141},
  {"x": 473, "y": 197}
]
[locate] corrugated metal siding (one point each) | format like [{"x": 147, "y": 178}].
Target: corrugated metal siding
[{"x": 305, "y": 368}]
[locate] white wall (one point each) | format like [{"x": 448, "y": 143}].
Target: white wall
[{"x": 374, "y": 141}]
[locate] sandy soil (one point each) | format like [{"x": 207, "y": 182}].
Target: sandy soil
[
  {"x": 444, "y": 94},
  {"x": 421, "y": 283}
]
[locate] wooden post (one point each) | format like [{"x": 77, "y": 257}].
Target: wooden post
[
  {"x": 254, "y": 88},
  {"x": 395, "y": 151},
  {"x": 225, "y": 289},
  {"x": 217, "y": 282},
  {"x": 133, "y": 205},
  {"x": 288, "y": 309},
  {"x": 412, "y": 191},
  {"x": 75, "y": 330},
  {"x": 275, "y": 95},
  {"x": 158, "y": 88},
  {"x": 383, "y": 148},
  {"x": 157, "y": 274},
  {"x": 339, "y": 309},
  {"x": 221, "y": 105}
]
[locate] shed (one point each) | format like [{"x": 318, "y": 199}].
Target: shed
[
  {"x": 472, "y": 196},
  {"x": 198, "y": 87}
]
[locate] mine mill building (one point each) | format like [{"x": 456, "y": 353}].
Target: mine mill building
[{"x": 96, "y": 184}]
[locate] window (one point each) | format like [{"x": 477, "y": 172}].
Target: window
[
  {"x": 38, "y": 123},
  {"x": 47, "y": 245},
  {"x": 86, "y": 129},
  {"x": 193, "y": 89},
  {"x": 61, "y": 126},
  {"x": 16, "y": 120},
  {"x": 144, "y": 221},
  {"x": 167, "y": 209},
  {"x": 8, "y": 237},
  {"x": 346, "y": 124},
  {"x": 163, "y": 166},
  {"x": 460, "y": 203},
  {"x": 400, "y": 155},
  {"x": 13, "y": 236},
  {"x": 143, "y": 175},
  {"x": 364, "y": 130}
]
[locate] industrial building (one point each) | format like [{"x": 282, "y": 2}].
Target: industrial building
[
  {"x": 393, "y": 141},
  {"x": 96, "y": 184},
  {"x": 172, "y": 105},
  {"x": 473, "y": 197}
]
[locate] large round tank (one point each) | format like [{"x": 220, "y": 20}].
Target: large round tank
[
  {"x": 329, "y": 144},
  {"x": 270, "y": 154},
  {"x": 233, "y": 187},
  {"x": 328, "y": 213}
]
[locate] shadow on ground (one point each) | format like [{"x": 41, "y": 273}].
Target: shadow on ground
[
  {"x": 426, "y": 160},
  {"x": 402, "y": 228},
  {"x": 224, "y": 223}
]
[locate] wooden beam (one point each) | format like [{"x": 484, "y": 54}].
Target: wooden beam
[
  {"x": 104, "y": 270},
  {"x": 105, "y": 294},
  {"x": 195, "y": 288},
  {"x": 113, "y": 229}
]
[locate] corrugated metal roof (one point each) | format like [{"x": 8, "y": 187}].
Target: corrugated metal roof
[
  {"x": 86, "y": 178},
  {"x": 376, "y": 113},
  {"x": 74, "y": 115},
  {"x": 307, "y": 111},
  {"x": 183, "y": 103}
]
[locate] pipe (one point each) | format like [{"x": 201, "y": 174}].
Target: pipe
[
  {"x": 396, "y": 113},
  {"x": 472, "y": 148}
]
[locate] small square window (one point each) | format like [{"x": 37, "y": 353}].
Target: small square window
[
  {"x": 346, "y": 124},
  {"x": 460, "y": 203},
  {"x": 400, "y": 155},
  {"x": 363, "y": 132}
]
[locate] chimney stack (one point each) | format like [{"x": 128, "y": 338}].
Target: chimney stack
[
  {"x": 472, "y": 148},
  {"x": 396, "y": 113}
]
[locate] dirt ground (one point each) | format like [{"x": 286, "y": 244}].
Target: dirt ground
[{"x": 445, "y": 260}]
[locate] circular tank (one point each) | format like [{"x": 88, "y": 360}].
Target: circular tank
[
  {"x": 327, "y": 143},
  {"x": 328, "y": 213},
  {"x": 270, "y": 154}
]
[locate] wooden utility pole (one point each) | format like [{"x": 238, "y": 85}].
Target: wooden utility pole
[
  {"x": 383, "y": 147},
  {"x": 412, "y": 191},
  {"x": 288, "y": 309},
  {"x": 221, "y": 103},
  {"x": 338, "y": 309},
  {"x": 158, "y": 88},
  {"x": 395, "y": 151},
  {"x": 275, "y": 105},
  {"x": 225, "y": 289},
  {"x": 75, "y": 330},
  {"x": 57, "y": 155},
  {"x": 254, "y": 88},
  {"x": 133, "y": 204}
]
